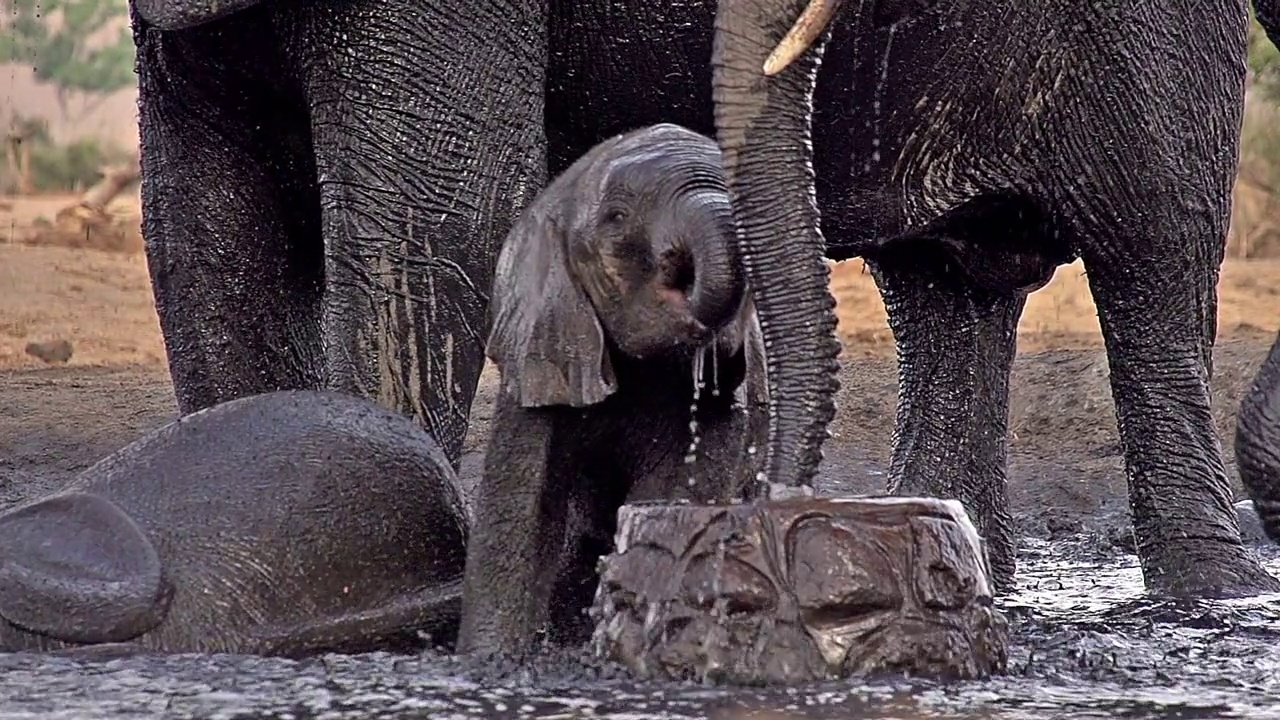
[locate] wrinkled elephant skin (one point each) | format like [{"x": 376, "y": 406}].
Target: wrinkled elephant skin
[
  {"x": 326, "y": 185},
  {"x": 289, "y": 523},
  {"x": 616, "y": 292},
  {"x": 313, "y": 218},
  {"x": 1257, "y": 445},
  {"x": 1257, "y": 441},
  {"x": 182, "y": 14},
  {"x": 966, "y": 151}
]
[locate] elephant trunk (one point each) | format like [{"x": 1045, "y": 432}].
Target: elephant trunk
[
  {"x": 718, "y": 281},
  {"x": 763, "y": 127},
  {"x": 1258, "y": 443}
]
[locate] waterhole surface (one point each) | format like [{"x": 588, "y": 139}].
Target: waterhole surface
[{"x": 1087, "y": 644}]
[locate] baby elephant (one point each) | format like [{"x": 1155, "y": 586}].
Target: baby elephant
[
  {"x": 618, "y": 296},
  {"x": 288, "y": 523}
]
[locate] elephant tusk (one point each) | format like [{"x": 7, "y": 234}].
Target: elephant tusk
[{"x": 812, "y": 22}]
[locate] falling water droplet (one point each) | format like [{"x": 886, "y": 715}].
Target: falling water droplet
[
  {"x": 715, "y": 369},
  {"x": 877, "y": 104},
  {"x": 691, "y": 455}
]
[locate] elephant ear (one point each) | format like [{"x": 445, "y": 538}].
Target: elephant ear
[
  {"x": 75, "y": 567},
  {"x": 546, "y": 339}
]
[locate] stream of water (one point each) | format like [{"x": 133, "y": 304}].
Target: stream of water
[{"x": 1087, "y": 644}]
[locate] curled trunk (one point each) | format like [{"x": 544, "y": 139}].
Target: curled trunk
[
  {"x": 763, "y": 126},
  {"x": 1258, "y": 443},
  {"x": 718, "y": 280}
]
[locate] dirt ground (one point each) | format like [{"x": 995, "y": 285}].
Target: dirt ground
[{"x": 1064, "y": 472}]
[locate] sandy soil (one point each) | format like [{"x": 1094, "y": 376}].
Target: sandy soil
[{"x": 1065, "y": 468}]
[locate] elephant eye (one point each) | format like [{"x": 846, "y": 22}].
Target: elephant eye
[{"x": 615, "y": 215}]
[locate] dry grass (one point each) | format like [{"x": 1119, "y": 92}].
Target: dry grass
[{"x": 58, "y": 221}]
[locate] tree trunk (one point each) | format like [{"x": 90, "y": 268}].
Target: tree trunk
[{"x": 798, "y": 591}]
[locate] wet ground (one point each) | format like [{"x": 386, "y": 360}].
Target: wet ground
[{"x": 1087, "y": 644}]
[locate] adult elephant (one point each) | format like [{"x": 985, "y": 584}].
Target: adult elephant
[
  {"x": 324, "y": 188},
  {"x": 967, "y": 150},
  {"x": 326, "y": 184}
]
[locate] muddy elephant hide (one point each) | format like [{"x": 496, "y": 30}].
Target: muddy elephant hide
[
  {"x": 631, "y": 369},
  {"x": 966, "y": 151},
  {"x": 288, "y": 523}
]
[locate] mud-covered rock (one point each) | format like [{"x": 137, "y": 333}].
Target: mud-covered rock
[{"x": 798, "y": 590}]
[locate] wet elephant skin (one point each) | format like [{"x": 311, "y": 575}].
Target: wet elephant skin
[
  {"x": 315, "y": 214},
  {"x": 314, "y": 218},
  {"x": 234, "y": 226},
  {"x": 966, "y": 151},
  {"x": 609, "y": 288},
  {"x": 288, "y": 523},
  {"x": 964, "y": 235}
]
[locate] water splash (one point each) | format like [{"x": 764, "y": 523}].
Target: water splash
[
  {"x": 719, "y": 611},
  {"x": 1073, "y": 656}
]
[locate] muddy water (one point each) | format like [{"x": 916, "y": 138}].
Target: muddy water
[{"x": 1088, "y": 644}]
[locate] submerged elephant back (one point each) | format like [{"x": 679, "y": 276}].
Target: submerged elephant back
[{"x": 265, "y": 508}]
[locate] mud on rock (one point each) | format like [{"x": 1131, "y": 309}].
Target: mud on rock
[{"x": 798, "y": 591}]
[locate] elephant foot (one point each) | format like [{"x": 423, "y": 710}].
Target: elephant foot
[
  {"x": 798, "y": 591},
  {"x": 1199, "y": 568}
]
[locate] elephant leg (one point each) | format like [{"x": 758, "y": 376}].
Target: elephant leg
[
  {"x": 427, "y": 126},
  {"x": 593, "y": 523},
  {"x": 230, "y": 212},
  {"x": 516, "y": 547},
  {"x": 1157, "y": 306},
  {"x": 956, "y": 344}
]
